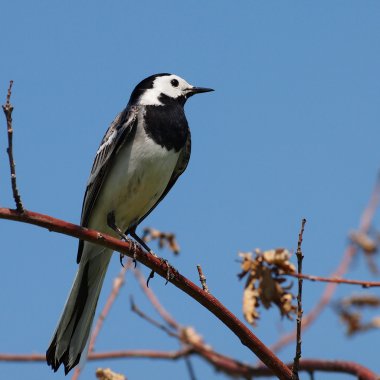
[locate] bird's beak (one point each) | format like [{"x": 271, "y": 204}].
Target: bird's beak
[{"x": 197, "y": 90}]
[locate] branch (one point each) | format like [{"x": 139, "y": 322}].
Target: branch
[
  {"x": 338, "y": 366},
  {"x": 117, "y": 284},
  {"x": 350, "y": 252},
  {"x": 212, "y": 304},
  {"x": 95, "y": 356},
  {"x": 235, "y": 367},
  {"x": 8, "y": 108},
  {"x": 165, "y": 315},
  {"x": 364, "y": 284},
  {"x": 202, "y": 279},
  {"x": 296, "y": 362},
  {"x": 152, "y": 321}
]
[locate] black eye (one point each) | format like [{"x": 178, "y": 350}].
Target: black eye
[{"x": 174, "y": 82}]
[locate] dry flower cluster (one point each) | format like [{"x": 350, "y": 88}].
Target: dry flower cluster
[
  {"x": 165, "y": 239},
  {"x": 107, "y": 374},
  {"x": 350, "y": 311},
  {"x": 368, "y": 244},
  {"x": 265, "y": 284}
]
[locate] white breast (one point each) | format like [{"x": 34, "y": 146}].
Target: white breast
[{"x": 139, "y": 176}]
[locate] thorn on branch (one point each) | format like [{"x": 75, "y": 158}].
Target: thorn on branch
[
  {"x": 202, "y": 279},
  {"x": 8, "y": 109}
]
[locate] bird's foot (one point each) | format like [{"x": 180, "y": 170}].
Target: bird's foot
[
  {"x": 134, "y": 253},
  {"x": 134, "y": 250},
  {"x": 170, "y": 270},
  {"x": 111, "y": 222}
]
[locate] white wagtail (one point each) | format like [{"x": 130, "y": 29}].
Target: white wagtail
[{"x": 144, "y": 151}]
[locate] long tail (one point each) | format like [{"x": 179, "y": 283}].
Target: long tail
[{"x": 71, "y": 334}]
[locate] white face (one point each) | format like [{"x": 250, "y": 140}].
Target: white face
[{"x": 169, "y": 85}]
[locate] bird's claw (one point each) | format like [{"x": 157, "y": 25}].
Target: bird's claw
[
  {"x": 134, "y": 250},
  {"x": 151, "y": 275},
  {"x": 170, "y": 270}
]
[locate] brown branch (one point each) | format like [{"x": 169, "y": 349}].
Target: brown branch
[
  {"x": 117, "y": 285},
  {"x": 8, "y": 109},
  {"x": 337, "y": 366},
  {"x": 76, "y": 373},
  {"x": 95, "y": 356},
  {"x": 202, "y": 279},
  {"x": 152, "y": 321},
  {"x": 212, "y": 304},
  {"x": 165, "y": 315},
  {"x": 350, "y": 252},
  {"x": 296, "y": 361},
  {"x": 235, "y": 368},
  {"x": 224, "y": 363},
  {"x": 364, "y": 284}
]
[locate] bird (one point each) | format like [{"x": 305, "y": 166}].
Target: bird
[{"x": 141, "y": 156}]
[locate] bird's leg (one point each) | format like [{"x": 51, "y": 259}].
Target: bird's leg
[
  {"x": 111, "y": 222},
  {"x": 146, "y": 247},
  {"x": 170, "y": 269}
]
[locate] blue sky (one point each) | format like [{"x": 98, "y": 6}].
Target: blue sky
[{"x": 291, "y": 131}]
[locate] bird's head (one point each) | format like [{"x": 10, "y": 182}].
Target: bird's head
[{"x": 164, "y": 89}]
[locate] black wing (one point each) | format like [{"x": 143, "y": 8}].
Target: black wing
[
  {"x": 120, "y": 130},
  {"x": 182, "y": 162}
]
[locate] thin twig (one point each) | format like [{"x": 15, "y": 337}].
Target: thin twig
[
  {"x": 190, "y": 368},
  {"x": 351, "y": 250},
  {"x": 165, "y": 315},
  {"x": 178, "y": 333},
  {"x": 202, "y": 279},
  {"x": 296, "y": 362},
  {"x": 152, "y": 321},
  {"x": 364, "y": 284},
  {"x": 118, "y": 282},
  {"x": 76, "y": 373},
  {"x": 8, "y": 109}
]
